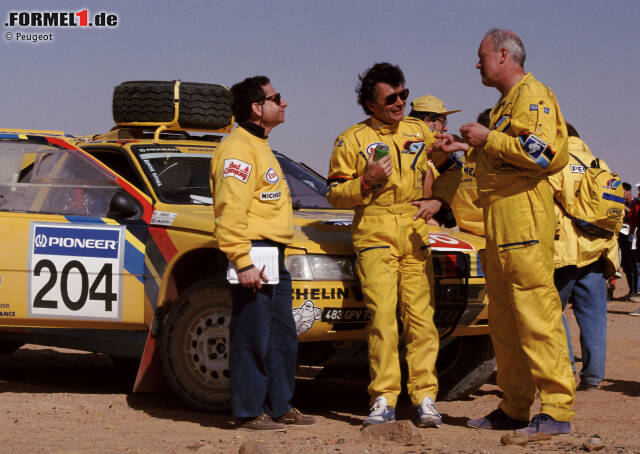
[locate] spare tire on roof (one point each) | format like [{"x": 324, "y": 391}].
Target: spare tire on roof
[{"x": 201, "y": 106}]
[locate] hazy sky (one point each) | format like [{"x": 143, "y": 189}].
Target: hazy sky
[{"x": 586, "y": 51}]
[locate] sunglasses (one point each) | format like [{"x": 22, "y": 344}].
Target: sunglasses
[
  {"x": 277, "y": 98},
  {"x": 403, "y": 94}
]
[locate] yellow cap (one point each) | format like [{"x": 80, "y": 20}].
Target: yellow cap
[{"x": 428, "y": 103}]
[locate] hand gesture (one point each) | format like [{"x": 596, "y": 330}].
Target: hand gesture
[
  {"x": 446, "y": 143},
  {"x": 474, "y": 134}
]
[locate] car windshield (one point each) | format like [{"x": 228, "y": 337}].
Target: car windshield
[{"x": 183, "y": 178}]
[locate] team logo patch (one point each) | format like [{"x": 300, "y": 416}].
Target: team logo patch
[
  {"x": 275, "y": 195},
  {"x": 236, "y": 169},
  {"x": 372, "y": 147},
  {"x": 534, "y": 146},
  {"x": 575, "y": 168},
  {"x": 271, "y": 176},
  {"x": 413, "y": 147},
  {"x": 613, "y": 183},
  {"x": 533, "y": 107},
  {"x": 537, "y": 149}
]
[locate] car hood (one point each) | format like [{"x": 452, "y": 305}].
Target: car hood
[{"x": 316, "y": 231}]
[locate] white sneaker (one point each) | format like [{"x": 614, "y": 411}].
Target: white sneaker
[
  {"x": 428, "y": 415},
  {"x": 380, "y": 412}
]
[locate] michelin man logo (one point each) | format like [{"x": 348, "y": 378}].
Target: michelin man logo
[{"x": 305, "y": 316}]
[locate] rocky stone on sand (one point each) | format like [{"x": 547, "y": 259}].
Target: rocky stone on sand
[
  {"x": 251, "y": 447},
  {"x": 402, "y": 432}
]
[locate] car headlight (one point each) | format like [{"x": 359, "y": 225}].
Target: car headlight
[{"x": 318, "y": 267}]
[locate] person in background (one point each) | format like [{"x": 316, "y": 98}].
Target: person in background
[
  {"x": 625, "y": 242},
  {"x": 583, "y": 263}
]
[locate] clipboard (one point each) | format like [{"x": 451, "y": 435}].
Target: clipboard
[{"x": 266, "y": 256}]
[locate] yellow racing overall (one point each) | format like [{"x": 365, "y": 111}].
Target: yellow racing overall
[
  {"x": 527, "y": 142},
  {"x": 393, "y": 255}
]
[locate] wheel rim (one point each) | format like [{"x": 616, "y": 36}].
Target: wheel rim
[{"x": 208, "y": 345}]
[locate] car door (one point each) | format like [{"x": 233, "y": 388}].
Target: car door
[{"x": 63, "y": 261}]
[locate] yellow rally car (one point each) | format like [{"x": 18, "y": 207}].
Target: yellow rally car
[{"x": 106, "y": 245}]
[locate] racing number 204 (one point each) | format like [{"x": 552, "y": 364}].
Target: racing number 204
[{"x": 105, "y": 274}]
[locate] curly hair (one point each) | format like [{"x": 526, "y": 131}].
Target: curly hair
[
  {"x": 246, "y": 93},
  {"x": 380, "y": 72}
]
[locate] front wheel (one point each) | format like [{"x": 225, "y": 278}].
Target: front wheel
[
  {"x": 194, "y": 346},
  {"x": 464, "y": 366}
]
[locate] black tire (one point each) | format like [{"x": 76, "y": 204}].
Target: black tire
[
  {"x": 202, "y": 106},
  {"x": 194, "y": 347},
  {"x": 464, "y": 366},
  {"x": 8, "y": 346}
]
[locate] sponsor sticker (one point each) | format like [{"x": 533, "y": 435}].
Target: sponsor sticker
[
  {"x": 413, "y": 147},
  {"x": 305, "y": 316},
  {"x": 237, "y": 169},
  {"x": 163, "y": 217},
  {"x": 275, "y": 195},
  {"x": 271, "y": 176},
  {"x": 446, "y": 242},
  {"x": 75, "y": 271}
]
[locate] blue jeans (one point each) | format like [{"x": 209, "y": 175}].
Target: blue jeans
[
  {"x": 264, "y": 349},
  {"x": 588, "y": 287}
]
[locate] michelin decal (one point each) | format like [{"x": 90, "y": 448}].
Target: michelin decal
[{"x": 305, "y": 316}]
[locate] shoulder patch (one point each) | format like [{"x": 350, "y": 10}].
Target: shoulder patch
[
  {"x": 502, "y": 124},
  {"x": 537, "y": 149},
  {"x": 271, "y": 176},
  {"x": 237, "y": 169}
]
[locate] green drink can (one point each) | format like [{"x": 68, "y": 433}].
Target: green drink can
[{"x": 380, "y": 151}]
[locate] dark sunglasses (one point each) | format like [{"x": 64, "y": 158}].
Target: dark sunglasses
[
  {"x": 403, "y": 94},
  {"x": 277, "y": 98}
]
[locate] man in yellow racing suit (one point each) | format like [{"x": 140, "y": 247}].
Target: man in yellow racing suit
[
  {"x": 583, "y": 263},
  {"x": 390, "y": 240},
  {"x": 526, "y": 143}
]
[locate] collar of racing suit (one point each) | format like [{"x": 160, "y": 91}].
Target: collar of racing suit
[
  {"x": 381, "y": 127},
  {"x": 253, "y": 128}
]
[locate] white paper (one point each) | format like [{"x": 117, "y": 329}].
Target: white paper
[{"x": 261, "y": 256}]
